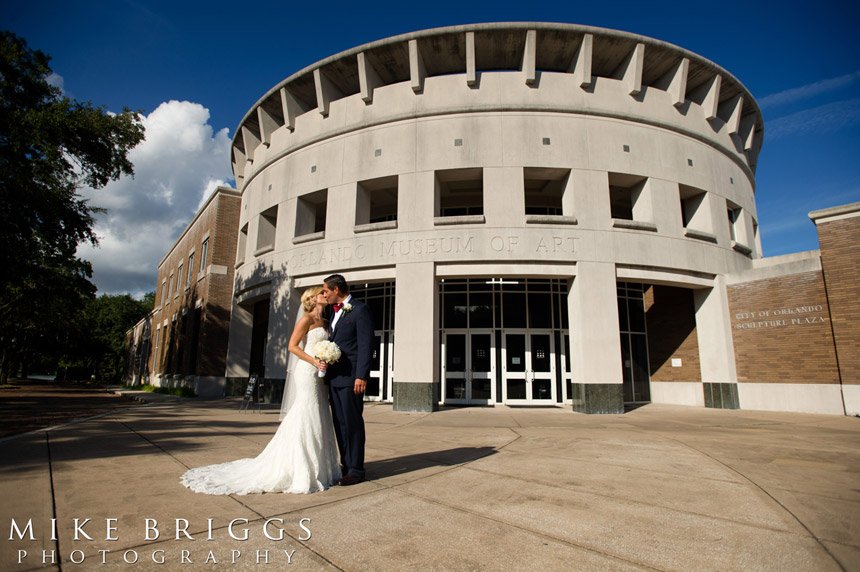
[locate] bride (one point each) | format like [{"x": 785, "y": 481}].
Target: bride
[{"x": 302, "y": 456}]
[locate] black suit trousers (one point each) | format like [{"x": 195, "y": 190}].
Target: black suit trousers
[{"x": 349, "y": 428}]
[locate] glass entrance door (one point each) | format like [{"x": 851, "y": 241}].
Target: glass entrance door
[
  {"x": 469, "y": 368},
  {"x": 528, "y": 368},
  {"x": 381, "y": 367}
]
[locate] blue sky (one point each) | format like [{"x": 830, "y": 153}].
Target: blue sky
[{"x": 201, "y": 65}]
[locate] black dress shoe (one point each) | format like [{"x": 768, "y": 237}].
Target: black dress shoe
[{"x": 350, "y": 480}]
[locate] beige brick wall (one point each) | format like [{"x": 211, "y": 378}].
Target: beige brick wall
[
  {"x": 840, "y": 260},
  {"x": 781, "y": 330},
  {"x": 671, "y": 323}
]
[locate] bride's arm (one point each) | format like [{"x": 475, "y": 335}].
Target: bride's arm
[{"x": 302, "y": 327}]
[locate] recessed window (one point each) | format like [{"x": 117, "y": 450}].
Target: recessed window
[
  {"x": 544, "y": 190},
  {"x": 696, "y": 213},
  {"x": 737, "y": 228},
  {"x": 625, "y": 192},
  {"x": 242, "y": 244},
  {"x": 630, "y": 201},
  {"x": 459, "y": 192},
  {"x": 734, "y": 214},
  {"x": 190, "y": 270},
  {"x": 376, "y": 200},
  {"x": 310, "y": 213},
  {"x": 267, "y": 229},
  {"x": 204, "y": 254},
  {"x": 156, "y": 357},
  {"x": 694, "y": 208},
  {"x": 163, "y": 293}
]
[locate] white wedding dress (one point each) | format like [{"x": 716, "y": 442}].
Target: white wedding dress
[{"x": 302, "y": 456}]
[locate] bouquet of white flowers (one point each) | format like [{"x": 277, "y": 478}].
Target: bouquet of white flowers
[{"x": 326, "y": 351}]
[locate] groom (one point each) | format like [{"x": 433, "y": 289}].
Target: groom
[{"x": 352, "y": 331}]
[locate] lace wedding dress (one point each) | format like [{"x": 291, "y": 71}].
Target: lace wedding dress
[{"x": 302, "y": 456}]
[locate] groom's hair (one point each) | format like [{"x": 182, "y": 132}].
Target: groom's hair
[{"x": 337, "y": 281}]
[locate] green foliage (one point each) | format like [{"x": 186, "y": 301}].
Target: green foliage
[
  {"x": 50, "y": 147},
  {"x": 149, "y": 300},
  {"x": 98, "y": 340}
]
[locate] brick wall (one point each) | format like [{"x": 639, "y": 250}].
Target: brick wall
[
  {"x": 176, "y": 352},
  {"x": 218, "y": 303},
  {"x": 671, "y": 323},
  {"x": 781, "y": 330},
  {"x": 840, "y": 260}
]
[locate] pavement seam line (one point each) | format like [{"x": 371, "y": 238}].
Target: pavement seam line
[
  {"x": 521, "y": 528},
  {"x": 233, "y": 497},
  {"x": 67, "y": 423},
  {"x": 332, "y": 564},
  {"x": 497, "y": 521},
  {"x": 53, "y": 499},
  {"x": 198, "y": 532},
  {"x": 638, "y": 502},
  {"x": 581, "y": 459},
  {"x": 762, "y": 489}
]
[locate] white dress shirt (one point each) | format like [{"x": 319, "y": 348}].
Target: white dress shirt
[{"x": 339, "y": 313}]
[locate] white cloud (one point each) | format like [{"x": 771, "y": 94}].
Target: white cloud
[
  {"x": 56, "y": 80},
  {"x": 809, "y": 90},
  {"x": 824, "y": 118},
  {"x": 181, "y": 160}
]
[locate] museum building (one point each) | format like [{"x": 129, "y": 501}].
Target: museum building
[{"x": 537, "y": 214}]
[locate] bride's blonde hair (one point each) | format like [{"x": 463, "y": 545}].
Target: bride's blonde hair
[{"x": 309, "y": 296}]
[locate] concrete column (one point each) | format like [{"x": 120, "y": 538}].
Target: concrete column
[
  {"x": 340, "y": 212},
  {"x": 504, "y": 197},
  {"x": 716, "y": 349},
  {"x": 416, "y": 329},
  {"x": 665, "y": 206},
  {"x": 590, "y": 198},
  {"x": 595, "y": 345},
  {"x": 283, "y": 303},
  {"x": 415, "y": 201},
  {"x": 238, "y": 344}
]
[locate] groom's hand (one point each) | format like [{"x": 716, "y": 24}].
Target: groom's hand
[{"x": 360, "y": 386}]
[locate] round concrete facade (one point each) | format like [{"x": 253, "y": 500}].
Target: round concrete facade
[{"x": 556, "y": 152}]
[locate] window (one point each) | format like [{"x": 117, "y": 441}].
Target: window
[
  {"x": 544, "y": 190},
  {"x": 737, "y": 228},
  {"x": 204, "y": 253},
  {"x": 190, "y": 279},
  {"x": 178, "y": 280},
  {"x": 376, "y": 201},
  {"x": 242, "y": 244},
  {"x": 624, "y": 192},
  {"x": 170, "y": 286},
  {"x": 156, "y": 347},
  {"x": 266, "y": 230},
  {"x": 164, "y": 293},
  {"x": 310, "y": 213},
  {"x": 630, "y": 201},
  {"x": 734, "y": 213},
  {"x": 460, "y": 192},
  {"x": 696, "y": 212}
]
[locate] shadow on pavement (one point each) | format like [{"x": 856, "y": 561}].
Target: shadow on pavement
[{"x": 419, "y": 461}]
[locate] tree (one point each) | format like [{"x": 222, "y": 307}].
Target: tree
[
  {"x": 50, "y": 147},
  {"x": 98, "y": 344}
]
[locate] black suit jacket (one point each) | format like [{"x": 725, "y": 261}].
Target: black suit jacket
[{"x": 353, "y": 334}]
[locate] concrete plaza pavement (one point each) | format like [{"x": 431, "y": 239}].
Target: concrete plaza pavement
[{"x": 660, "y": 487}]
